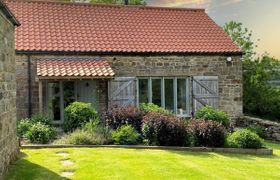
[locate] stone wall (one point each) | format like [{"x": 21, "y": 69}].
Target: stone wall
[
  {"x": 22, "y": 87},
  {"x": 8, "y": 140},
  {"x": 230, "y": 75},
  {"x": 272, "y": 129}
]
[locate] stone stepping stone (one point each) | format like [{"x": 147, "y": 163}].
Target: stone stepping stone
[
  {"x": 63, "y": 154},
  {"x": 67, "y": 162},
  {"x": 67, "y": 174}
]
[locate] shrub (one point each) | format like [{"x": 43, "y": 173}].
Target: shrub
[
  {"x": 44, "y": 119},
  {"x": 23, "y": 126},
  {"x": 102, "y": 133},
  {"x": 150, "y": 107},
  {"x": 243, "y": 138},
  {"x": 259, "y": 130},
  {"x": 77, "y": 114},
  {"x": 208, "y": 133},
  {"x": 126, "y": 135},
  {"x": 92, "y": 125},
  {"x": 40, "y": 133},
  {"x": 117, "y": 116},
  {"x": 209, "y": 113},
  {"x": 159, "y": 129},
  {"x": 77, "y": 137},
  {"x": 91, "y": 133},
  {"x": 83, "y": 137}
]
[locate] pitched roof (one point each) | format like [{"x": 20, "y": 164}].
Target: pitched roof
[
  {"x": 73, "y": 27},
  {"x": 8, "y": 14},
  {"x": 72, "y": 68}
]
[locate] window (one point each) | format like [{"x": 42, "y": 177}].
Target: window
[
  {"x": 171, "y": 93},
  {"x": 143, "y": 86},
  {"x": 181, "y": 97},
  {"x": 169, "y": 90},
  {"x": 156, "y": 91}
]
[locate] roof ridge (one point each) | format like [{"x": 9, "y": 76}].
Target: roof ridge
[{"x": 110, "y": 5}]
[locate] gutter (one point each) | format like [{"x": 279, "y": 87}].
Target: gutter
[
  {"x": 29, "y": 86},
  {"x": 8, "y": 13},
  {"x": 19, "y": 52}
]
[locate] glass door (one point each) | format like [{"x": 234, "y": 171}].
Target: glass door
[
  {"x": 60, "y": 94},
  {"x": 54, "y": 100}
]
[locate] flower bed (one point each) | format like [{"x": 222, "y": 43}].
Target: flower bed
[{"x": 148, "y": 125}]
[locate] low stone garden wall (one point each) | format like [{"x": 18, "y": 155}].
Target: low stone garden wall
[
  {"x": 263, "y": 151},
  {"x": 272, "y": 129}
]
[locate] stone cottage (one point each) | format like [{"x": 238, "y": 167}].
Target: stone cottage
[
  {"x": 115, "y": 54},
  {"x": 8, "y": 139}
]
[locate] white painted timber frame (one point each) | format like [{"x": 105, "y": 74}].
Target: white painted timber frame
[{"x": 150, "y": 94}]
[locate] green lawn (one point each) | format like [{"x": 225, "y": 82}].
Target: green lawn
[{"x": 109, "y": 163}]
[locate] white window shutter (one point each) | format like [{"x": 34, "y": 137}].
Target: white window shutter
[
  {"x": 205, "y": 92},
  {"x": 122, "y": 91}
]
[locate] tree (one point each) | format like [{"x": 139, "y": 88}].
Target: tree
[
  {"x": 131, "y": 2},
  {"x": 259, "y": 97},
  {"x": 242, "y": 37}
]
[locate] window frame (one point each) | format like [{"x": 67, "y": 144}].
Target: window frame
[{"x": 175, "y": 91}]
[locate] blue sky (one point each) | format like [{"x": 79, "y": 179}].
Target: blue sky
[{"x": 260, "y": 16}]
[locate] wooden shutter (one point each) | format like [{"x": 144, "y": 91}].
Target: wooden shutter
[
  {"x": 122, "y": 91},
  {"x": 205, "y": 92}
]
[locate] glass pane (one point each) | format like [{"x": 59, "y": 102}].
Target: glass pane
[
  {"x": 143, "y": 90},
  {"x": 156, "y": 91},
  {"x": 68, "y": 92},
  {"x": 169, "y": 94},
  {"x": 54, "y": 100},
  {"x": 181, "y": 97}
]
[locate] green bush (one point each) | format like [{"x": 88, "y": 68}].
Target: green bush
[
  {"x": 84, "y": 137},
  {"x": 23, "y": 126},
  {"x": 259, "y": 130},
  {"x": 243, "y": 138},
  {"x": 91, "y": 133},
  {"x": 150, "y": 107},
  {"x": 44, "y": 119},
  {"x": 210, "y": 113},
  {"x": 77, "y": 114},
  {"x": 99, "y": 130},
  {"x": 40, "y": 133},
  {"x": 165, "y": 130},
  {"x": 77, "y": 137},
  {"x": 92, "y": 125},
  {"x": 208, "y": 133},
  {"x": 126, "y": 135}
]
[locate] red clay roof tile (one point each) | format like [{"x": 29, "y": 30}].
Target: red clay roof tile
[
  {"x": 53, "y": 26},
  {"x": 73, "y": 68}
]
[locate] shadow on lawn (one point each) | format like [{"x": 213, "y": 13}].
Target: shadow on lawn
[{"x": 26, "y": 170}]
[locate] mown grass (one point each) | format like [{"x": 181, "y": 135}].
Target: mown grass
[{"x": 109, "y": 163}]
